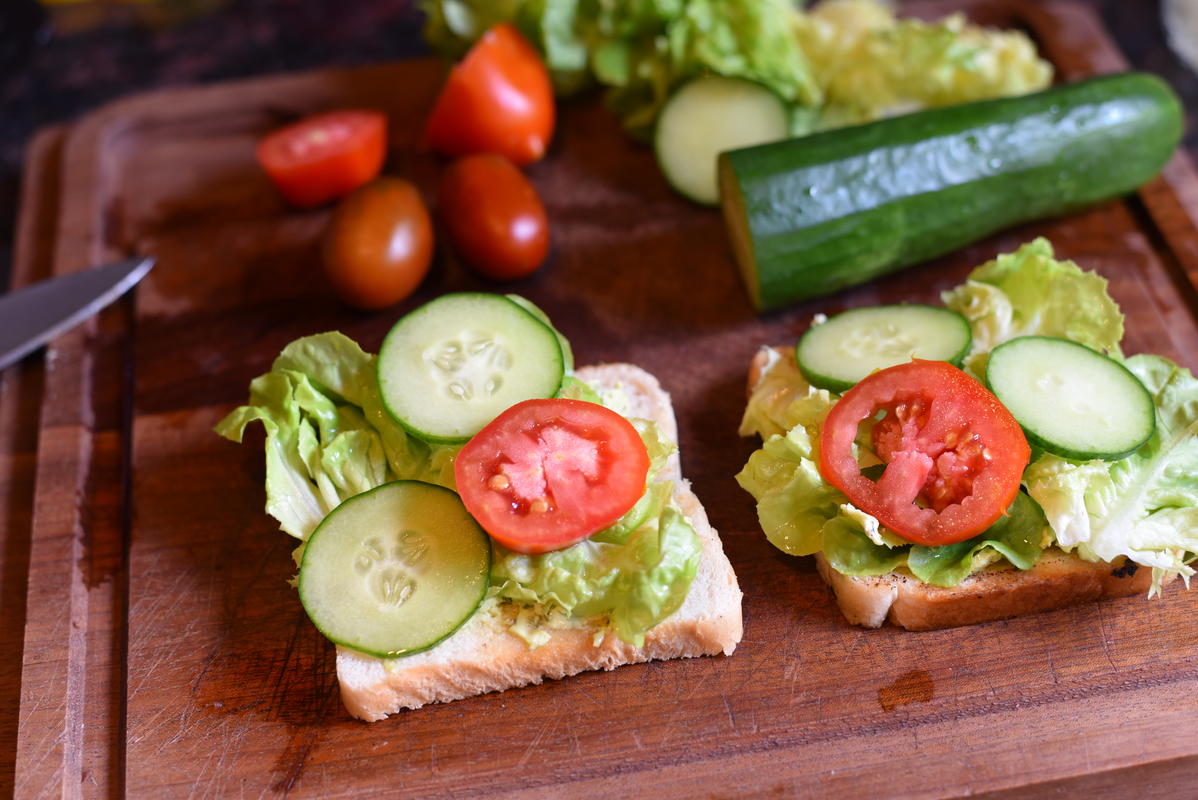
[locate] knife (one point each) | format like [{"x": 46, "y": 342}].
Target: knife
[{"x": 32, "y": 316}]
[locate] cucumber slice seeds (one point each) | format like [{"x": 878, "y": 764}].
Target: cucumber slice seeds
[
  {"x": 1070, "y": 400},
  {"x": 845, "y": 349},
  {"x": 395, "y": 570},
  {"x": 451, "y": 366}
]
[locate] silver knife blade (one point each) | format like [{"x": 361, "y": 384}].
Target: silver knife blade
[{"x": 32, "y": 316}]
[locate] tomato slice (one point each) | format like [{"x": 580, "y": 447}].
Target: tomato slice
[
  {"x": 499, "y": 99},
  {"x": 548, "y": 473},
  {"x": 326, "y": 156},
  {"x": 954, "y": 455}
]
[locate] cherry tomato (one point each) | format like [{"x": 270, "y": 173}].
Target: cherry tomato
[
  {"x": 379, "y": 244},
  {"x": 499, "y": 99},
  {"x": 548, "y": 473},
  {"x": 954, "y": 455},
  {"x": 325, "y": 156},
  {"x": 493, "y": 216}
]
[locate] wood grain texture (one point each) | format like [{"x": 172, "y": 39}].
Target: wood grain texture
[
  {"x": 20, "y": 401},
  {"x": 216, "y": 684}
]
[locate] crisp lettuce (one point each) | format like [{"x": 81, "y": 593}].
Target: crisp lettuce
[
  {"x": 327, "y": 434},
  {"x": 1029, "y": 292},
  {"x": 1145, "y": 506},
  {"x": 869, "y": 64}
]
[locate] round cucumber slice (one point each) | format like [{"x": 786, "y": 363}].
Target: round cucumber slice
[
  {"x": 1071, "y": 400},
  {"x": 838, "y": 353},
  {"x": 395, "y": 570},
  {"x": 451, "y": 366},
  {"x": 704, "y": 118}
]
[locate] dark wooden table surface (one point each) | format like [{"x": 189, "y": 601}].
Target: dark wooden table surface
[{"x": 50, "y": 75}]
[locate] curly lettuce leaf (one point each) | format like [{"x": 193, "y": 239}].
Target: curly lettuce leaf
[
  {"x": 1029, "y": 292},
  {"x": 870, "y": 64},
  {"x": 1145, "y": 506},
  {"x": 1019, "y": 536},
  {"x": 327, "y": 434}
]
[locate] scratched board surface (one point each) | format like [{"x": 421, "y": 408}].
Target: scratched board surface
[{"x": 227, "y": 689}]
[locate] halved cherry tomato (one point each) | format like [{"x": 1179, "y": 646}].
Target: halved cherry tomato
[
  {"x": 954, "y": 455},
  {"x": 379, "y": 244},
  {"x": 493, "y": 216},
  {"x": 323, "y": 157},
  {"x": 499, "y": 99},
  {"x": 548, "y": 473}
]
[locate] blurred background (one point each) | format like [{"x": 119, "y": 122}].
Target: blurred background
[{"x": 62, "y": 58}]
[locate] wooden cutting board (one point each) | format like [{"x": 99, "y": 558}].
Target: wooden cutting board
[{"x": 166, "y": 655}]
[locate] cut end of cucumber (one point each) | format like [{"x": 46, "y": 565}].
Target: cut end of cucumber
[
  {"x": 737, "y": 223},
  {"x": 842, "y": 351},
  {"x": 1070, "y": 400},
  {"x": 706, "y": 117},
  {"x": 395, "y": 570},
  {"x": 450, "y": 367}
]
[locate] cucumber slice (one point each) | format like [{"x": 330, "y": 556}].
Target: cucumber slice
[
  {"x": 1071, "y": 400},
  {"x": 706, "y": 117},
  {"x": 840, "y": 352},
  {"x": 449, "y": 367},
  {"x": 395, "y": 570}
]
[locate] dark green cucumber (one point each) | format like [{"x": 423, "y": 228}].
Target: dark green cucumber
[{"x": 813, "y": 215}]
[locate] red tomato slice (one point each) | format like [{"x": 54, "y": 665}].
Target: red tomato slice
[
  {"x": 326, "y": 156},
  {"x": 548, "y": 473},
  {"x": 499, "y": 99},
  {"x": 954, "y": 455}
]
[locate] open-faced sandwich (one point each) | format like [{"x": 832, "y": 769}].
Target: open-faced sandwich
[
  {"x": 476, "y": 515},
  {"x": 992, "y": 457}
]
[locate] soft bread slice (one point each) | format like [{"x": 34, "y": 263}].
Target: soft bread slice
[
  {"x": 1057, "y": 580},
  {"x": 483, "y": 656}
]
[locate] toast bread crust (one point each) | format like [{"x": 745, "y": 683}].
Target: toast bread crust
[
  {"x": 484, "y": 656},
  {"x": 1057, "y": 580}
]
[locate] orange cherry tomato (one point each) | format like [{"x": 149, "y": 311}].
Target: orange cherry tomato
[
  {"x": 548, "y": 473},
  {"x": 379, "y": 244},
  {"x": 954, "y": 455},
  {"x": 499, "y": 99},
  {"x": 326, "y": 156},
  {"x": 493, "y": 216}
]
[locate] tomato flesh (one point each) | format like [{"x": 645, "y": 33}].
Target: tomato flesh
[
  {"x": 499, "y": 99},
  {"x": 954, "y": 455},
  {"x": 548, "y": 473},
  {"x": 326, "y": 156}
]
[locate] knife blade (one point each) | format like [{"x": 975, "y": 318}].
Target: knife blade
[{"x": 32, "y": 316}]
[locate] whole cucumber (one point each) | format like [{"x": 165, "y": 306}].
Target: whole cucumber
[{"x": 812, "y": 215}]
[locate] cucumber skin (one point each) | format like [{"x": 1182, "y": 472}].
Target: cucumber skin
[{"x": 842, "y": 207}]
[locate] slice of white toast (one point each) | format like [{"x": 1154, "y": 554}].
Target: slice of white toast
[
  {"x": 484, "y": 656},
  {"x": 1057, "y": 580}
]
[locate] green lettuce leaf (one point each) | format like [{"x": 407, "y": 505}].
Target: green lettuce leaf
[
  {"x": 327, "y": 434},
  {"x": 1029, "y": 292},
  {"x": 782, "y": 398},
  {"x": 869, "y": 64},
  {"x": 1019, "y": 537},
  {"x": 1145, "y": 506}
]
